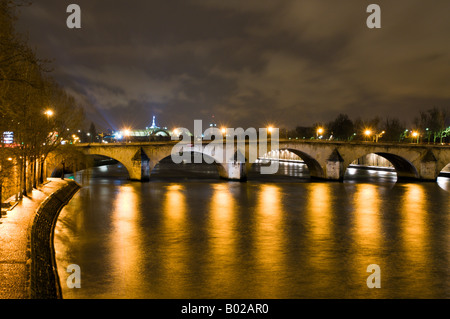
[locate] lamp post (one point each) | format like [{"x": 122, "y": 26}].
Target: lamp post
[
  {"x": 377, "y": 136},
  {"x": 63, "y": 169}
]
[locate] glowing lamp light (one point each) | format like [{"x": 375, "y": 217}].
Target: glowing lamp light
[
  {"x": 320, "y": 131},
  {"x": 270, "y": 129},
  {"x": 126, "y": 132},
  {"x": 367, "y": 132},
  {"x": 415, "y": 134},
  {"x": 49, "y": 113},
  {"x": 223, "y": 130}
]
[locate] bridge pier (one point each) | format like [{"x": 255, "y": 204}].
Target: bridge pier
[
  {"x": 233, "y": 171},
  {"x": 335, "y": 168},
  {"x": 428, "y": 167},
  {"x": 140, "y": 170}
]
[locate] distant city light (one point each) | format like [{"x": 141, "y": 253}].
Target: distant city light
[{"x": 8, "y": 137}]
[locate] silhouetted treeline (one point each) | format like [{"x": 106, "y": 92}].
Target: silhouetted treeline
[{"x": 430, "y": 126}]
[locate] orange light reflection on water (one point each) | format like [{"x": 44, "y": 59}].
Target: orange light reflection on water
[
  {"x": 414, "y": 224},
  {"x": 269, "y": 239},
  {"x": 222, "y": 239},
  {"x": 175, "y": 241},
  {"x": 125, "y": 239}
]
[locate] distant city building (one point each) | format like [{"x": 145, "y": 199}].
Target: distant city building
[{"x": 152, "y": 133}]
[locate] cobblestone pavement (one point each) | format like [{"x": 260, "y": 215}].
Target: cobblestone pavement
[{"x": 14, "y": 230}]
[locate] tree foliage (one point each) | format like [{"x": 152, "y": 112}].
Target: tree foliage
[
  {"x": 433, "y": 123},
  {"x": 342, "y": 128},
  {"x": 26, "y": 92}
]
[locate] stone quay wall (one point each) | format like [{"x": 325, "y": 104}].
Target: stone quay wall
[{"x": 44, "y": 280}]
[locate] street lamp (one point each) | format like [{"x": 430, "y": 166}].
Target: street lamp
[
  {"x": 320, "y": 131},
  {"x": 416, "y": 134},
  {"x": 127, "y": 134},
  {"x": 49, "y": 113},
  {"x": 367, "y": 133}
]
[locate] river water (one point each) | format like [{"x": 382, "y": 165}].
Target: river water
[{"x": 188, "y": 234}]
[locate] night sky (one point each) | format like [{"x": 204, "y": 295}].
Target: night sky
[{"x": 247, "y": 62}]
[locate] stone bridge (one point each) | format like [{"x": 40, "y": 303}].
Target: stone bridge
[{"x": 326, "y": 160}]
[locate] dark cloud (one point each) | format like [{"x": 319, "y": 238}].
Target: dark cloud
[{"x": 247, "y": 62}]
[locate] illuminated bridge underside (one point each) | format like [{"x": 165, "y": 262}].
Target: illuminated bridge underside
[{"x": 325, "y": 160}]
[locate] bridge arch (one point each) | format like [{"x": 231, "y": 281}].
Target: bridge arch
[
  {"x": 314, "y": 167},
  {"x": 55, "y": 167},
  {"x": 132, "y": 159},
  {"x": 167, "y": 160},
  {"x": 115, "y": 159},
  {"x": 404, "y": 169},
  {"x": 444, "y": 168}
]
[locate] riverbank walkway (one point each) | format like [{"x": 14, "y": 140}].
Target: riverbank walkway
[{"x": 15, "y": 228}]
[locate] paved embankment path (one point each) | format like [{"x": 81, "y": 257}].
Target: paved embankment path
[{"x": 15, "y": 228}]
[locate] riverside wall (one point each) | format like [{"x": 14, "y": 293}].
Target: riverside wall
[{"x": 44, "y": 280}]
